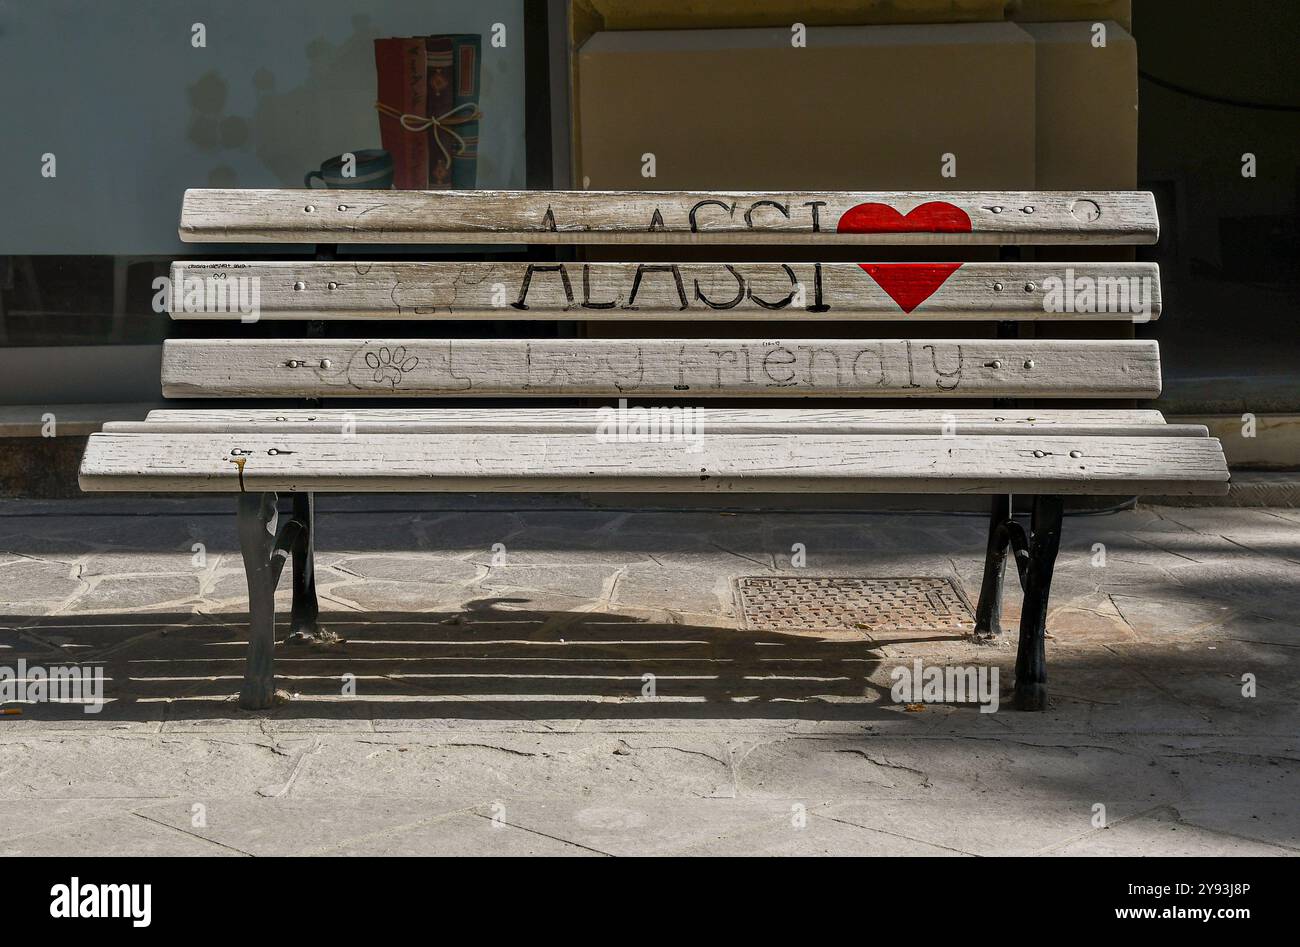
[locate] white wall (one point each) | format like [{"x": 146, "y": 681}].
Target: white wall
[{"x": 135, "y": 114}]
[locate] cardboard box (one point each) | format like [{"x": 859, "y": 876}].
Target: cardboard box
[
  {"x": 1086, "y": 111},
  {"x": 862, "y": 107}
]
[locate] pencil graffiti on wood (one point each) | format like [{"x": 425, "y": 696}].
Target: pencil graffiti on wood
[
  {"x": 674, "y": 290},
  {"x": 859, "y": 217}
]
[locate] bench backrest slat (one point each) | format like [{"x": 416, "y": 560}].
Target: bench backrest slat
[
  {"x": 740, "y": 291},
  {"x": 681, "y": 217},
  {"x": 899, "y": 368}
]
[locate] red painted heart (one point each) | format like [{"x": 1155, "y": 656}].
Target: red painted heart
[
  {"x": 910, "y": 284},
  {"x": 930, "y": 217}
]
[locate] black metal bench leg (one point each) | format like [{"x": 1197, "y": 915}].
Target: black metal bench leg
[
  {"x": 988, "y": 612},
  {"x": 1031, "y": 657},
  {"x": 306, "y": 607},
  {"x": 257, "y": 539}
]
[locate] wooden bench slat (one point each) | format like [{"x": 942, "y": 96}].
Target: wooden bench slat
[
  {"x": 589, "y": 417},
  {"x": 740, "y": 463},
  {"x": 689, "y": 217},
  {"x": 712, "y": 422},
  {"x": 927, "y": 368},
  {"x": 597, "y": 291},
  {"x": 505, "y": 426}
]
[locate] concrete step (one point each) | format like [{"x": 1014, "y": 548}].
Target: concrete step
[
  {"x": 69, "y": 420},
  {"x": 1248, "y": 488},
  {"x": 1252, "y": 441}
]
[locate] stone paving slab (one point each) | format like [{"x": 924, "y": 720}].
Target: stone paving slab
[
  {"x": 645, "y": 826},
  {"x": 277, "y": 826},
  {"x": 819, "y": 837},
  {"x": 463, "y": 834},
  {"x": 980, "y": 825},
  {"x": 127, "y": 835},
  {"x": 1163, "y": 833},
  {"x": 542, "y": 679}
]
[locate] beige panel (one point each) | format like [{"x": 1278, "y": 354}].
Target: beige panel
[
  {"x": 1025, "y": 12},
  {"x": 1082, "y": 87},
  {"x": 745, "y": 108},
  {"x": 1256, "y": 441}
]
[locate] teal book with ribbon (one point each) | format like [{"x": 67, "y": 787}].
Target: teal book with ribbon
[{"x": 453, "y": 92}]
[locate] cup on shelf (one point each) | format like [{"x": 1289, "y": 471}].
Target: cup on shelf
[{"x": 373, "y": 169}]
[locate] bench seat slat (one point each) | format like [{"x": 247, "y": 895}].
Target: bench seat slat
[
  {"x": 740, "y": 463},
  {"x": 521, "y": 427},
  {"x": 714, "y": 421},
  {"x": 592, "y": 421},
  {"x": 589, "y": 417},
  {"x": 682, "y": 217},
  {"x": 1048, "y": 292},
  {"x": 924, "y": 368}
]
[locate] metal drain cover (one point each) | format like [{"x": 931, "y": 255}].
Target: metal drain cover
[{"x": 820, "y": 603}]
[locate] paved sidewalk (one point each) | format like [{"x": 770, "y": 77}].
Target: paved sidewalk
[{"x": 498, "y": 703}]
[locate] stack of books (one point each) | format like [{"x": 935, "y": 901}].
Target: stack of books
[{"x": 428, "y": 89}]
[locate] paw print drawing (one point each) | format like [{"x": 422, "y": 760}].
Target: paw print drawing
[{"x": 390, "y": 365}]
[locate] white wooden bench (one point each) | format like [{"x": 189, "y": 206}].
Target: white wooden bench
[{"x": 990, "y": 446}]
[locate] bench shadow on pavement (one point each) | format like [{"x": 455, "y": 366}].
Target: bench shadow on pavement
[{"x": 494, "y": 660}]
